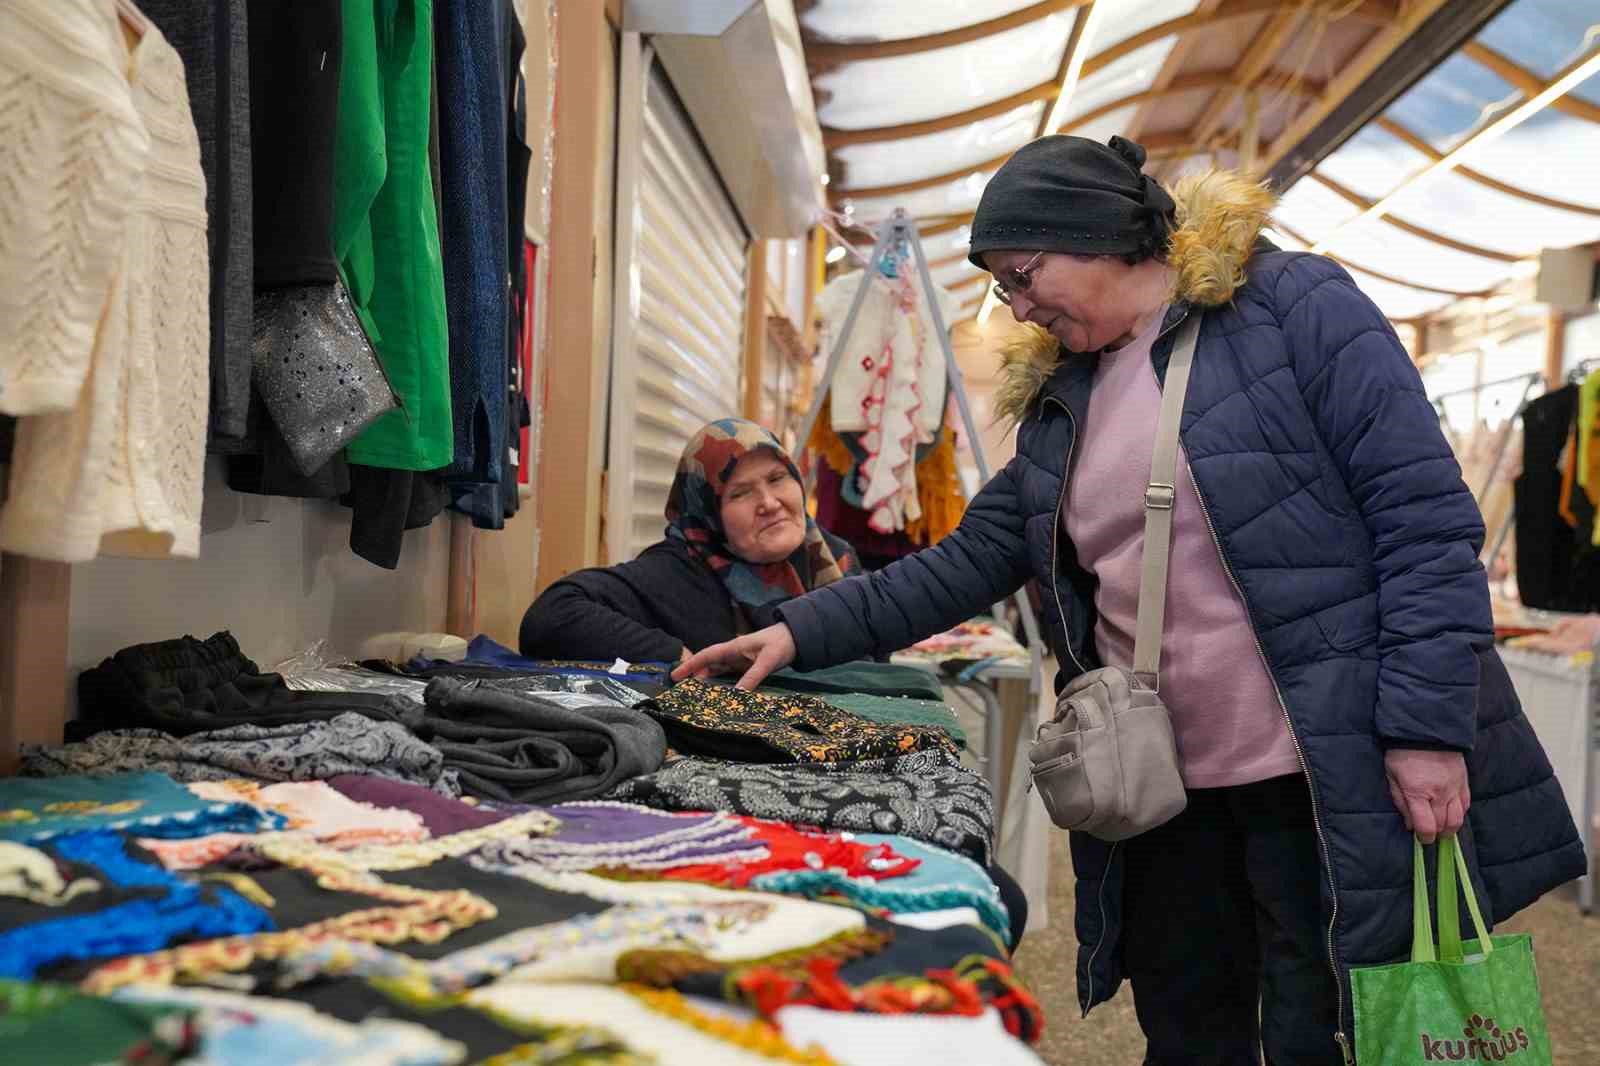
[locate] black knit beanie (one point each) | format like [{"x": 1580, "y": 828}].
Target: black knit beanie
[{"x": 1069, "y": 194}]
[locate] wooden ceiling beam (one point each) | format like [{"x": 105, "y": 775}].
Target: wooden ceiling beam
[
  {"x": 1371, "y": 56},
  {"x": 1366, "y": 10},
  {"x": 1252, "y": 67},
  {"x": 1527, "y": 82},
  {"x": 1380, "y": 275},
  {"x": 1170, "y": 69},
  {"x": 824, "y": 55},
  {"x": 1178, "y": 86},
  {"x": 1433, "y": 154},
  {"x": 1362, "y": 202},
  {"x": 1046, "y": 92},
  {"x": 836, "y": 138}
]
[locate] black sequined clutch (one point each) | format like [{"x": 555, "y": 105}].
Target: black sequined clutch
[{"x": 316, "y": 370}]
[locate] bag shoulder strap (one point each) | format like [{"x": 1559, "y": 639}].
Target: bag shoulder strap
[{"x": 1159, "y": 497}]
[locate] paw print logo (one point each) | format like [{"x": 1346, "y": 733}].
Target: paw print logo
[{"x": 1478, "y": 1025}]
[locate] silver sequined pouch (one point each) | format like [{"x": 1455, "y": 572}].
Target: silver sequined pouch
[{"x": 316, "y": 370}]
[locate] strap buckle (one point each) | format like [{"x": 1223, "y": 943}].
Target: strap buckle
[{"x": 1159, "y": 497}]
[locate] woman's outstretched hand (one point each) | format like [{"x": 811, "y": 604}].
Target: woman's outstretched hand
[
  {"x": 1430, "y": 790},
  {"x": 757, "y": 654}
]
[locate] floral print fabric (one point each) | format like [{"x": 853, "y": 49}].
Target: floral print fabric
[{"x": 721, "y": 721}]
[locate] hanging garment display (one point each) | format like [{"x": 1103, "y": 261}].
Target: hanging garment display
[
  {"x": 104, "y": 265},
  {"x": 385, "y": 231},
  {"x": 316, "y": 371},
  {"x": 1546, "y": 544},
  {"x": 839, "y": 493},
  {"x": 890, "y": 385},
  {"x": 214, "y": 42}
]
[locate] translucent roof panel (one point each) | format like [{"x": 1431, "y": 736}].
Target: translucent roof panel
[
  {"x": 911, "y": 158},
  {"x": 1312, "y": 210},
  {"x": 1383, "y": 247},
  {"x": 1134, "y": 72},
  {"x": 1117, "y": 20},
  {"x": 944, "y": 81},
  {"x": 1461, "y": 208},
  {"x": 1373, "y": 163},
  {"x": 895, "y": 20},
  {"x": 956, "y": 197},
  {"x": 1551, "y": 154},
  {"x": 1398, "y": 301},
  {"x": 1544, "y": 35},
  {"x": 1452, "y": 99}
]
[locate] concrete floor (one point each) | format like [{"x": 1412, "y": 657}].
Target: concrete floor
[{"x": 1566, "y": 945}]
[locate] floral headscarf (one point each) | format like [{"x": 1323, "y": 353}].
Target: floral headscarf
[{"x": 694, "y": 515}]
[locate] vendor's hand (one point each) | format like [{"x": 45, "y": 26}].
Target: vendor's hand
[
  {"x": 1429, "y": 789},
  {"x": 758, "y": 654},
  {"x": 685, "y": 655}
]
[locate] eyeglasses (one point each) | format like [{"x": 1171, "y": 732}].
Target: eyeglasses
[{"x": 1018, "y": 280}]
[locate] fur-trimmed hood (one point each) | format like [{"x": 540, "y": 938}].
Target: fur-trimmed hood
[{"x": 1220, "y": 215}]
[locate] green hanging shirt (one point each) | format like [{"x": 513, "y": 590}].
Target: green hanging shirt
[{"x": 386, "y": 230}]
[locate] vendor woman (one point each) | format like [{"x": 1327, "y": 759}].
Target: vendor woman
[{"x": 739, "y": 542}]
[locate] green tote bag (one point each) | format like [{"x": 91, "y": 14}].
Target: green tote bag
[{"x": 1476, "y": 1001}]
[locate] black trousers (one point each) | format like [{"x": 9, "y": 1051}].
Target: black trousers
[{"x": 1224, "y": 940}]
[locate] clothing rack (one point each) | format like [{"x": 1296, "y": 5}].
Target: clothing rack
[{"x": 900, "y": 230}]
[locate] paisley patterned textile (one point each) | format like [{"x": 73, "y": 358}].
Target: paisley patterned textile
[
  {"x": 694, "y": 515},
  {"x": 721, "y": 721},
  {"x": 927, "y": 795},
  {"x": 304, "y": 751}
]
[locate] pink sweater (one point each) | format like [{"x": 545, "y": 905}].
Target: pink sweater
[{"x": 1230, "y": 726}]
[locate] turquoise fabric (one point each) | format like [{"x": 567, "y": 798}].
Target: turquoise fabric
[
  {"x": 901, "y": 710},
  {"x": 147, "y": 804},
  {"x": 942, "y": 880},
  {"x": 866, "y": 678}
]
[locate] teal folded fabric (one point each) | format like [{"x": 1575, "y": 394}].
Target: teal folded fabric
[
  {"x": 901, "y": 710},
  {"x": 866, "y": 678},
  {"x": 146, "y": 804},
  {"x": 54, "y": 1025}
]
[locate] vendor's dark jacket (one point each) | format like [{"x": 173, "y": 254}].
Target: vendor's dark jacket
[
  {"x": 1341, "y": 517},
  {"x": 644, "y": 611}
]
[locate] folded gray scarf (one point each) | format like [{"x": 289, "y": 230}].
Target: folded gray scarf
[{"x": 528, "y": 749}]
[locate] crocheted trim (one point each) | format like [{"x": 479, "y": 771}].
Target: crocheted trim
[
  {"x": 424, "y": 980},
  {"x": 894, "y": 898},
  {"x": 212, "y": 818},
  {"x": 974, "y": 983},
  {"x": 665, "y": 967},
  {"x": 408, "y": 856},
  {"x": 760, "y": 1037},
  {"x": 420, "y": 915}
]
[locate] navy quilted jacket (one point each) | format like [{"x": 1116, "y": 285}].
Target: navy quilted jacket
[{"x": 1341, "y": 515}]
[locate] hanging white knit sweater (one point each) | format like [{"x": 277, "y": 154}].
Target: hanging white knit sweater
[{"x": 104, "y": 287}]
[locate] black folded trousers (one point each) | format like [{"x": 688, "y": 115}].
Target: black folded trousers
[{"x": 187, "y": 686}]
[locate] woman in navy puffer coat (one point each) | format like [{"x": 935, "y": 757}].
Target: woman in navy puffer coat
[{"x": 1341, "y": 522}]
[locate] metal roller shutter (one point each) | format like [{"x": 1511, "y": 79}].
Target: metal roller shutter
[{"x": 679, "y": 302}]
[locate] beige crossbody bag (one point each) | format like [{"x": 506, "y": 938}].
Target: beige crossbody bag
[{"x": 1107, "y": 764}]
